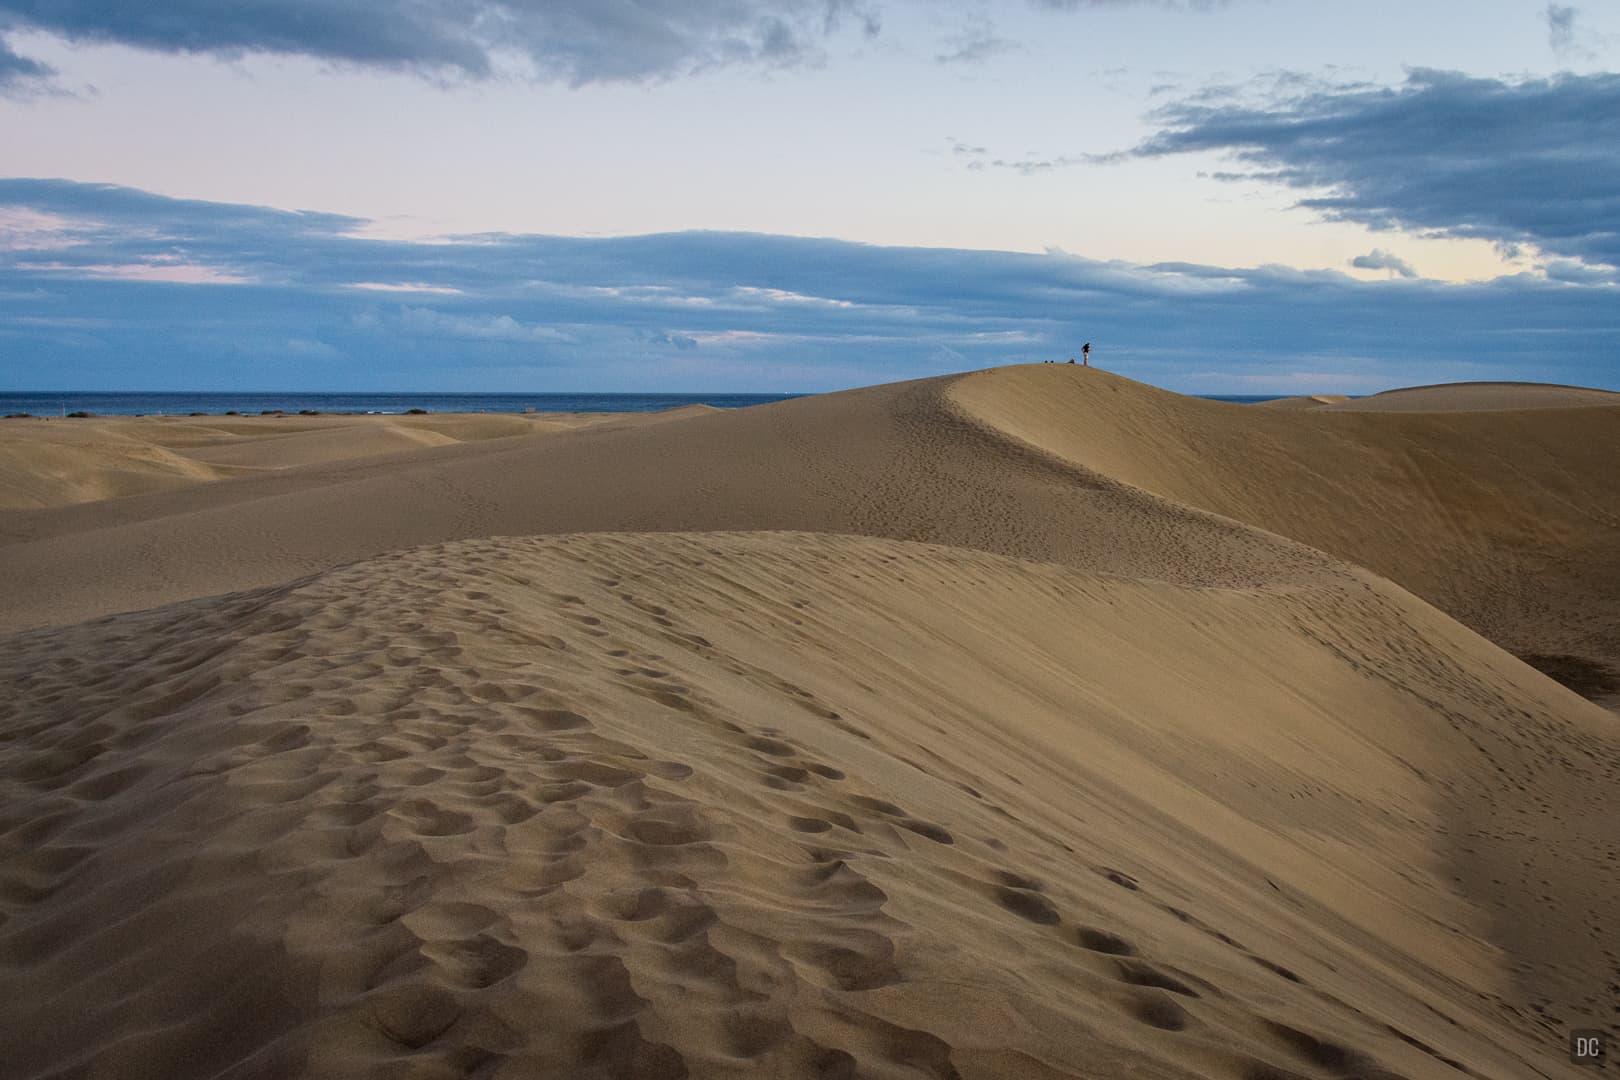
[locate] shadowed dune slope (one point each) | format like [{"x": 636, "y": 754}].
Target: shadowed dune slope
[
  {"x": 782, "y": 804},
  {"x": 1507, "y": 520}
]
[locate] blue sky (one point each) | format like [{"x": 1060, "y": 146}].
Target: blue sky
[{"x": 1238, "y": 197}]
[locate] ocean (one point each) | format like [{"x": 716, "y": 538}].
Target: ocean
[
  {"x": 105, "y": 403},
  {"x": 102, "y": 403}
]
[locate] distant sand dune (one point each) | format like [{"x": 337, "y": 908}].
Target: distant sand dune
[
  {"x": 46, "y": 463},
  {"x": 1483, "y": 397},
  {"x": 1305, "y": 401},
  {"x": 1028, "y": 723},
  {"x": 1456, "y": 397},
  {"x": 1507, "y": 520}
]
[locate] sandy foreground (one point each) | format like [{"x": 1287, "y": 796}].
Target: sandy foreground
[{"x": 1027, "y": 723}]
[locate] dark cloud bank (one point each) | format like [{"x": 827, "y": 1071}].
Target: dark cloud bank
[
  {"x": 706, "y": 310},
  {"x": 577, "y": 41},
  {"x": 573, "y": 41},
  {"x": 1533, "y": 162}
]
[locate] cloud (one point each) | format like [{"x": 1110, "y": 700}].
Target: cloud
[
  {"x": 30, "y": 230},
  {"x": 1560, "y": 26},
  {"x": 405, "y": 287},
  {"x": 421, "y": 322},
  {"x": 712, "y": 310},
  {"x": 674, "y": 341},
  {"x": 150, "y": 268},
  {"x": 1077, "y": 5},
  {"x": 20, "y": 76},
  {"x": 1034, "y": 166},
  {"x": 577, "y": 42},
  {"x": 1578, "y": 272},
  {"x": 978, "y": 158},
  {"x": 1567, "y": 39},
  {"x": 1533, "y": 162},
  {"x": 572, "y": 41},
  {"x": 976, "y": 43},
  {"x": 1379, "y": 259}
]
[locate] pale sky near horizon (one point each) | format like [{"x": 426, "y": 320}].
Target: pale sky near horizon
[{"x": 953, "y": 125}]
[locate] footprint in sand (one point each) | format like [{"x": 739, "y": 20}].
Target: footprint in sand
[
  {"x": 1157, "y": 1010},
  {"x": 1101, "y": 941},
  {"x": 1026, "y": 902}
]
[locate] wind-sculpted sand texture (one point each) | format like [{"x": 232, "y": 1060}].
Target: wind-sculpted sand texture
[
  {"x": 901, "y": 461},
  {"x": 1506, "y": 520},
  {"x": 1032, "y": 722},
  {"x": 799, "y": 805}
]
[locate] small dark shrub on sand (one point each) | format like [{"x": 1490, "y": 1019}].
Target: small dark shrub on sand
[
  {"x": 309, "y": 412},
  {"x": 19, "y": 416},
  {"x": 415, "y": 412},
  {"x": 80, "y": 414}
]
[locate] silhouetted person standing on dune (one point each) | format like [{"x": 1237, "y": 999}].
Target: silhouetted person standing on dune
[{"x": 1085, "y": 354}]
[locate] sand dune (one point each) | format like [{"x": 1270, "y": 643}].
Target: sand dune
[
  {"x": 1456, "y": 397},
  {"x": 787, "y": 804},
  {"x": 63, "y": 462},
  {"x": 1304, "y": 401},
  {"x": 56, "y": 465},
  {"x": 1481, "y": 397},
  {"x": 1030, "y": 723},
  {"x": 902, "y": 461},
  {"x": 1505, "y": 520}
]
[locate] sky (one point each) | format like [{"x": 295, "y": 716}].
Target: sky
[{"x": 1248, "y": 196}]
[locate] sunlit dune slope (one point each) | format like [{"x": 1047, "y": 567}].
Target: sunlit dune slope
[
  {"x": 901, "y": 461},
  {"x": 1508, "y": 520},
  {"x": 46, "y": 463},
  {"x": 1482, "y": 396},
  {"x": 741, "y": 805},
  {"x": 1304, "y": 401},
  {"x": 1457, "y": 397},
  {"x": 39, "y": 469},
  {"x": 1505, "y": 519}
]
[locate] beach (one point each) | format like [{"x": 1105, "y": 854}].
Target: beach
[{"x": 1030, "y": 722}]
